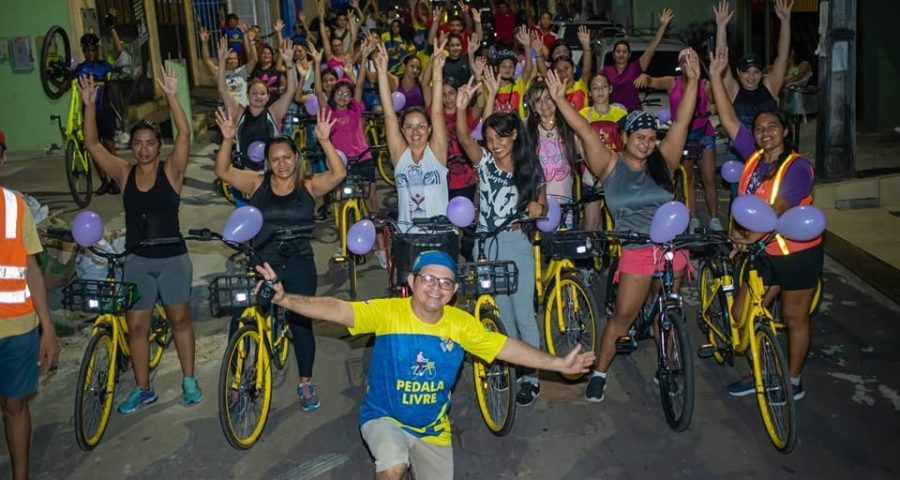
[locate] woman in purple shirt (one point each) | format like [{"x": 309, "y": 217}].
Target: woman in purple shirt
[{"x": 622, "y": 74}]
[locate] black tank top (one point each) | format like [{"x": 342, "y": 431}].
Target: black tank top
[
  {"x": 747, "y": 103},
  {"x": 151, "y": 215},
  {"x": 251, "y": 129},
  {"x": 294, "y": 209}
]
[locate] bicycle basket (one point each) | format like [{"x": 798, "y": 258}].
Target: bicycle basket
[
  {"x": 489, "y": 278},
  {"x": 230, "y": 292},
  {"x": 572, "y": 244},
  {"x": 405, "y": 247},
  {"x": 100, "y": 296}
]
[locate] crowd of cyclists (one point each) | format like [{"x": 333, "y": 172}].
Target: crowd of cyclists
[{"x": 507, "y": 122}]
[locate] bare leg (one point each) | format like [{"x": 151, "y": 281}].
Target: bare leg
[
  {"x": 708, "y": 176},
  {"x": 17, "y": 426},
  {"x": 138, "y": 342},
  {"x": 632, "y": 293},
  {"x": 795, "y": 314}
]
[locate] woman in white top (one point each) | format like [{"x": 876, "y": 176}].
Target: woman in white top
[{"x": 417, "y": 144}]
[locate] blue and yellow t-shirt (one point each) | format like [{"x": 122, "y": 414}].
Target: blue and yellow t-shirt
[
  {"x": 415, "y": 364},
  {"x": 101, "y": 70}
]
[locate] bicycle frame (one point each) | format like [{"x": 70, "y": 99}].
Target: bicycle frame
[
  {"x": 346, "y": 205},
  {"x": 265, "y": 334},
  {"x": 553, "y": 273}
]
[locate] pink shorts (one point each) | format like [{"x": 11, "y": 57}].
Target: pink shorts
[{"x": 649, "y": 260}]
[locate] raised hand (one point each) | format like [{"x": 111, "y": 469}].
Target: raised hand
[
  {"x": 522, "y": 36},
  {"x": 723, "y": 13},
  {"x": 314, "y": 53},
  {"x": 718, "y": 62},
  {"x": 167, "y": 80},
  {"x": 87, "y": 89},
  {"x": 473, "y": 41},
  {"x": 584, "y": 37},
  {"x": 287, "y": 51},
  {"x": 666, "y": 16},
  {"x": 301, "y": 17},
  {"x": 204, "y": 34},
  {"x": 324, "y": 122},
  {"x": 380, "y": 58},
  {"x": 223, "y": 50},
  {"x": 278, "y": 25},
  {"x": 226, "y": 124},
  {"x": 692, "y": 65},
  {"x": 478, "y": 65},
  {"x": 242, "y": 26},
  {"x": 438, "y": 59},
  {"x": 783, "y": 9},
  {"x": 555, "y": 87},
  {"x": 476, "y": 15},
  {"x": 465, "y": 93},
  {"x": 492, "y": 81}
]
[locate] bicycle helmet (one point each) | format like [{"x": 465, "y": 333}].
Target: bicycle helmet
[{"x": 90, "y": 40}]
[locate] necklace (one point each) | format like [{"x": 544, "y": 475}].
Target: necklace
[{"x": 549, "y": 131}]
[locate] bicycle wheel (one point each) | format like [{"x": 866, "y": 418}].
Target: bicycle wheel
[
  {"x": 495, "y": 384},
  {"x": 280, "y": 344},
  {"x": 713, "y": 317},
  {"x": 78, "y": 173},
  {"x": 95, "y": 389},
  {"x": 160, "y": 336},
  {"x": 676, "y": 372},
  {"x": 56, "y": 59},
  {"x": 243, "y": 402},
  {"x": 350, "y": 219},
  {"x": 776, "y": 400},
  {"x": 578, "y": 325},
  {"x": 385, "y": 168}
]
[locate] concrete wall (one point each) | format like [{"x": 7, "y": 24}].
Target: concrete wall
[
  {"x": 878, "y": 66},
  {"x": 646, "y": 13},
  {"x": 26, "y": 109}
]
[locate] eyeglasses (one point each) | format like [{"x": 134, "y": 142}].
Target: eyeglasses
[
  {"x": 342, "y": 93},
  {"x": 415, "y": 126},
  {"x": 430, "y": 280}
]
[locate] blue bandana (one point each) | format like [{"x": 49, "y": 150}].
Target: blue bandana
[{"x": 637, "y": 120}]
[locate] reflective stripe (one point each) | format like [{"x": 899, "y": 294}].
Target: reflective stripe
[
  {"x": 776, "y": 184},
  {"x": 18, "y": 296},
  {"x": 12, "y": 213},
  {"x": 12, "y": 273}
]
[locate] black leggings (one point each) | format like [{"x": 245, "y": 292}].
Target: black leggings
[{"x": 298, "y": 275}]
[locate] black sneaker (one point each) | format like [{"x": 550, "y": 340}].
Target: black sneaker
[
  {"x": 596, "y": 389},
  {"x": 742, "y": 387},
  {"x": 528, "y": 392},
  {"x": 798, "y": 391}
]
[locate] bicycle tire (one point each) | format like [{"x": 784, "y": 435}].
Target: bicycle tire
[
  {"x": 238, "y": 391},
  {"x": 54, "y": 84},
  {"x": 280, "y": 344},
  {"x": 715, "y": 314},
  {"x": 351, "y": 260},
  {"x": 776, "y": 408},
  {"x": 95, "y": 389},
  {"x": 78, "y": 173},
  {"x": 495, "y": 383},
  {"x": 385, "y": 168},
  {"x": 580, "y": 327},
  {"x": 674, "y": 349},
  {"x": 160, "y": 336}
]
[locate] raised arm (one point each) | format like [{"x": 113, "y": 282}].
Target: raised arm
[
  {"x": 176, "y": 164},
  {"x": 723, "y": 14},
  {"x": 317, "y": 74},
  {"x": 492, "y": 86},
  {"x": 322, "y": 183},
  {"x": 278, "y": 28},
  {"x": 587, "y": 57},
  {"x": 599, "y": 159},
  {"x": 396, "y": 142},
  {"x": 435, "y": 22},
  {"x": 718, "y": 63},
  {"x": 250, "y": 46},
  {"x": 246, "y": 181},
  {"x": 672, "y": 146},
  {"x": 664, "y": 18},
  {"x": 112, "y": 165},
  {"x": 524, "y": 38},
  {"x": 463, "y": 135},
  {"x": 234, "y": 108},
  {"x": 280, "y": 108},
  {"x": 112, "y": 17},
  {"x": 204, "y": 52},
  {"x": 479, "y": 29},
  {"x": 438, "y": 123},
  {"x": 775, "y": 79},
  {"x": 324, "y": 33}
]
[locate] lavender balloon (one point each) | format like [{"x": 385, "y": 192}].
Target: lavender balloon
[
  {"x": 670, "y": 219},
  {"x": 554, "y": 215},
  {"x": 339, "y": 72},
  {"x": 476, "y": 132},
  {"x": 664, "y": 116},
  {"x": 87, "y": 228},
  {"x": 257, "y": 151},
  {"x": 361, "y": 237},
  {"x": 242, "y": 225},
  {"x": 753, "y": 213},
  {"x": 343, "y": 156},
  {"x": 520, "y": 69},
  {"x": 461, "y": 211},
  {"x": 731, "y": 171},
  {"x": 312, "y": 105},
  {"x": 399, "y": 101},
  {"x": 801, "y": 223}
]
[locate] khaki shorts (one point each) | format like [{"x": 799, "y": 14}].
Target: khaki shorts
[{"x": 391, "y": 446}]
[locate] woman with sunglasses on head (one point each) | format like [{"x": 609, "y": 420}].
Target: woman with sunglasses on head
[{"x": 286, "y": 196}]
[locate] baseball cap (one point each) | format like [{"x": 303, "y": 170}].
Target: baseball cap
[
  {"x": 434, "y": 257},
  {"x": 750, "y": 61},
  {"x": 90, "y": 40}
]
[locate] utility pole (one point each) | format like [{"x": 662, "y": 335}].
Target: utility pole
[{"x": 836, "y": 123}]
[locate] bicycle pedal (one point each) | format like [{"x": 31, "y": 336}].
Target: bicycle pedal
[
  {"x": 626, "y": 345},
  {"x": 706, "y": 351}
]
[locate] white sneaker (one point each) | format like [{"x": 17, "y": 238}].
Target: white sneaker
[
  {"x": 382, "y": 259},
  {"x": 715, "y": 225},
  {"x": 693, "y": 225}
]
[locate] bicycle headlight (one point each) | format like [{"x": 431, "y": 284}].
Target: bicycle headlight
[
  {"x": 348, "y": 190},
  {"x": 240, "y": 297}
]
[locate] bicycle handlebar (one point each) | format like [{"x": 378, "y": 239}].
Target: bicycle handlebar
[
  {"x": 700, "y": 238},
  {"x": 284, "y": 234},
  {"x": 370, "y": 149},
  {"x": 588, "y": 195},
  {"x": 66, "y": 236}
]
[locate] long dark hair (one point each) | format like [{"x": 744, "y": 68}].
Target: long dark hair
[
  {"x": 786, "y": 141},
  {"x": 532, "y": 122},
  {"x": 527, "y": 173}
]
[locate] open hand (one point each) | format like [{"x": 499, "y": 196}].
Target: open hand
[
  {"x": 87, "y": 89},
  {"x": 167, "y": 80},
  {"x": 577, "y": 362},
  {"x": 783, "y": 9},
  {"x": 204, "y": 34},
  {"x": 666, "y": 16},
  {"x": 48, "y": 351},
  {"x": 555, "y": 87},
  {"x": 226, "y": 125},
  {"x": 324, "y": 122},
  {"x": 718, "y": 62},
  {"x": 723, "y": 13}
]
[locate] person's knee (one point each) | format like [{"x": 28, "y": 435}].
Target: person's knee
[
  {"x": 795, "y": 315},
  {"x": 180, "y": 321},
  {"x": 394, "y": 472},
  {"x": 14, "y": 408}
]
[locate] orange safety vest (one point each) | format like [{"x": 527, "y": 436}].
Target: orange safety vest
[
  {"x": 15, "y": 298},
  {"x": 768, "y": 191}
]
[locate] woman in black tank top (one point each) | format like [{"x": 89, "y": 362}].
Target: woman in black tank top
[
  {"x": 286, "y": 195},
  {"x": 151, "y": 199}
]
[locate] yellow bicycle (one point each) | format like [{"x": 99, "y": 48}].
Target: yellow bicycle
[
  {"x": 374, "y": 131},
  {"x": 107, "y": 353},
  {"x": 261, "y": 339}
]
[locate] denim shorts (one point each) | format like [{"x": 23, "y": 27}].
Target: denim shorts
[
  {"x": 699, "y": 135},
  {"x": 18, "y": 365}
]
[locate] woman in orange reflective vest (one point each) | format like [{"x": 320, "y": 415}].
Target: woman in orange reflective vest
[{"x": 778, "y": 174}]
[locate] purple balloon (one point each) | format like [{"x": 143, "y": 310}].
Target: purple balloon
[
  {"x": 343, "y": 156},
  {"x": 87, "y": 228},
  {"x": 312, "y": 105},
  {"x": 670, "y": 219},
  {"x": 73, "y": 63},
  {"x": 339, "y": 72},
  {"x": 554, "y": 215},
  {"x": 257, "y": 151},
  {"x": 399, "y": 101},
  {"x": 801, "y": 223},
  {"x": 664, "y": 115},
  {"x": 753, "y": 213},
  {"x": 520, "y": 69},
  {"x": 731, "y": 171},
  {"x": 361, "y": 237},
  {"x": 461, "y": 211},
  {"x": 476, "y": 132},
  {"x": 242, "y": 225}
]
